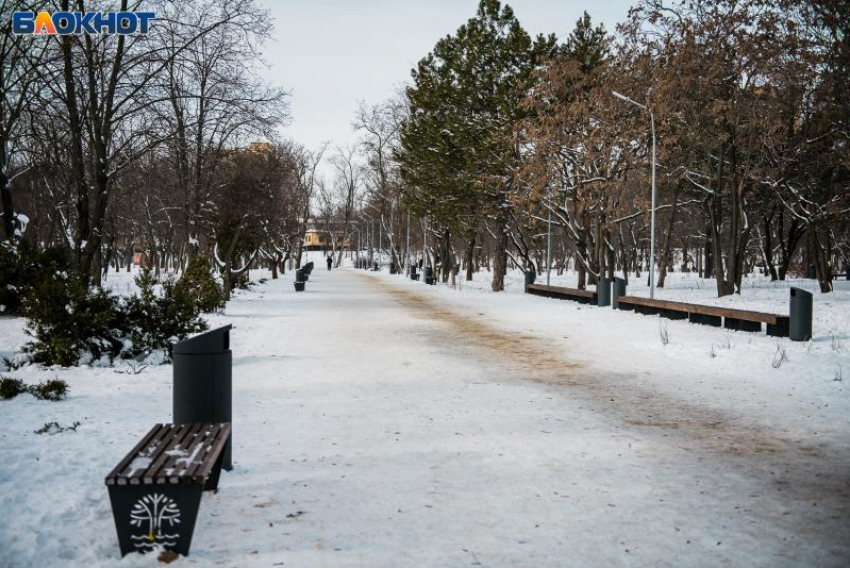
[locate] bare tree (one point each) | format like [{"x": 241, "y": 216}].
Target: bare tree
[
  {"x": 347, "y": 183},
  {"x": 20, "y": 56}
]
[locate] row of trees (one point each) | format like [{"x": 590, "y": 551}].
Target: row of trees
[
  {"x": 500, "y": 132},
  {"x": 112, "y": 145},
  {"x": 115, "y": 145}
]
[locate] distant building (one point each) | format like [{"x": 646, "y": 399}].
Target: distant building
[
  {"x": 316, "y": 240},
  {"x": 260, "y": 148},
  {"x": 140, "y": 258},
  {"x": 316, "y": 236}
]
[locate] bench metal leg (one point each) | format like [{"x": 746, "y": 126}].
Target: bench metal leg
[
  {"x": 741, "y": 325},
  {"x": 778, "y": 330},
  {"x": 212, "y": 480},
  {"x": 147, "y": 516},
  {"x": 705, "y": 320}
]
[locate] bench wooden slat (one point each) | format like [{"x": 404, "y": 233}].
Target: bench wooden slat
[
  {"x": 158, "y": 443},
  {"x": 565, "y": 291},
  {"x": 181, "y": 440},
  {"x": 717, "y": 311},
  {"x": 134, "y": 477},
  {"x": 216, "y": 444},
  {"x": 200, "y": 445},
  {"x": 207, "y": 439},
  {"x": 172, "y": 471},
  {"x": 110, "y": 479}
]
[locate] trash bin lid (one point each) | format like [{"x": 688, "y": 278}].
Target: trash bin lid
[
  {"x": 800, "y": 293},
  {"x": 212, "y": 341}
]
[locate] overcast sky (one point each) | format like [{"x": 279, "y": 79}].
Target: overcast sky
[{"x": 330, "y": 54}]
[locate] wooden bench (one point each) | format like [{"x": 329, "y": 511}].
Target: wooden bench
[
  {"x": 574, "y": 294},
  {"x": 156, "y": 489},
  {"x": 739, "y": 320}
]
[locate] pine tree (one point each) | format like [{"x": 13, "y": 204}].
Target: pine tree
[{"x": 457, "y": 148}]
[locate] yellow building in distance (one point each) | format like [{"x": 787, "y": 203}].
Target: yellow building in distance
[{"x": 317, "y": 238}]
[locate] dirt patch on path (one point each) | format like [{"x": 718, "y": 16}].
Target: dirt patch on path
[
  {"x": 799, "y": 472},
  {"x": 540, "y": 360}
]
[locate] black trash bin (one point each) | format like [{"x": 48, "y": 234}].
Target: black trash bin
[
  {"x": 428, "y": 276},
  {"x": 603, "y": 292},
  {"x": 618, "y": 291},
  {"x": 530, "y": 277},
  {"x": 203, "y": 369},
  {"x": 801, "y": 315}
]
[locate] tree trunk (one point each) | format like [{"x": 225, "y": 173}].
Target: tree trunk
[
  {"x": 109, "y": 252},
  {"x": 8, "y": 224},
  {"x": 75, "y": 148},
  {"x": 500, "y": 259},
  {"x": 446, "y": 253},
  {"x": 609, "y": 254},
  {"x": 668, "y": 241},
  {"x": 593, "y": 250},
  {"x": 581, "y": 269},
  {"x": 470, "y": 259},
  {"x": 790, "y": 244},
  {"x": 723, "y": 287},
  {"x": 767, "y": 244},
  {"x": 821, "y": 252},
  {"x": 228, "y": 282}
]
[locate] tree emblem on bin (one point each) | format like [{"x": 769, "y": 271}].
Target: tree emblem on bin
[{"x": 157, "y": 515}]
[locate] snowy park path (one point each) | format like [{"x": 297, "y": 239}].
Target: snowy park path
[
  {"x": 379, "y": 422},
  {"x": 413, "y": 432}
]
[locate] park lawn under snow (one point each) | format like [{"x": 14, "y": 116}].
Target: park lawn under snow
[
  {"x": 379, "y": 421},
  {"x": 625, "y": 341}
]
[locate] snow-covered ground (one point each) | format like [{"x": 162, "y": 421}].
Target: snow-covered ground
[
  {"x": 831, "y": 311},
  {"x": 382, "y": 422}
]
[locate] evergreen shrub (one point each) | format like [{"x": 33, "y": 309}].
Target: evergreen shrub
[{"x": 198, "y": 285}]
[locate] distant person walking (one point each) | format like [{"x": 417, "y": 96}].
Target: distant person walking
[{"x": 330, "y": 261}]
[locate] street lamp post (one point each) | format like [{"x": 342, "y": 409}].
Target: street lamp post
[
  {"x": 391, "y": 234},
  {"x": 407, "y": 246},
  {"x": 652, "y": 214},
  {"x": 549, "y": 238}
]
